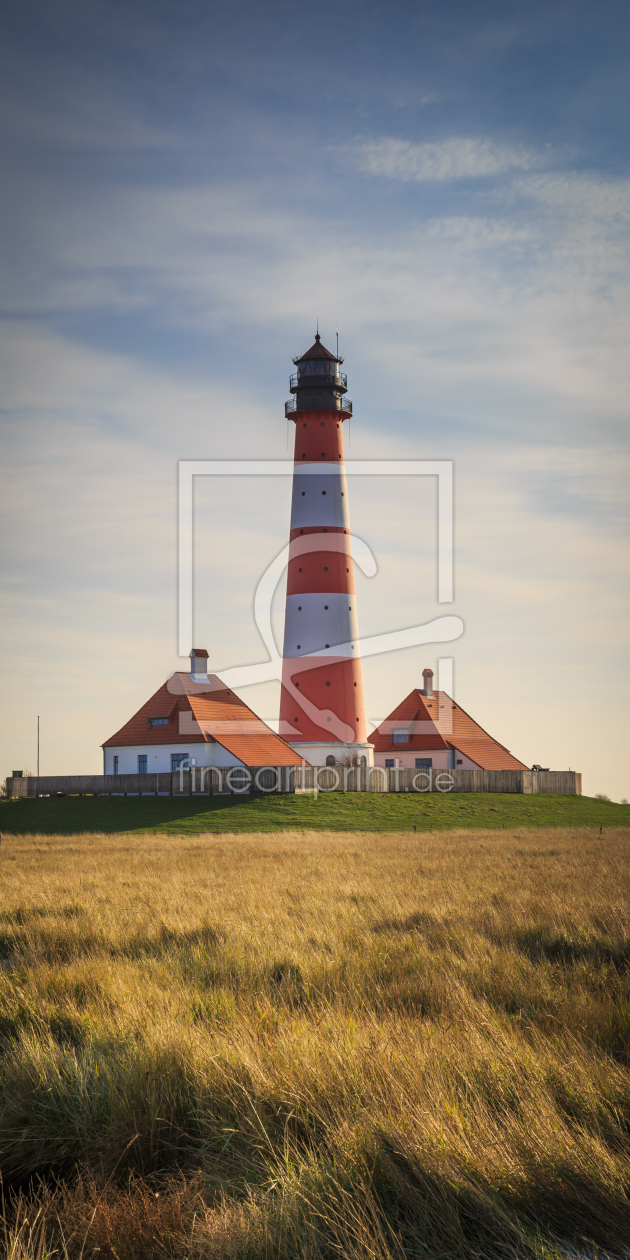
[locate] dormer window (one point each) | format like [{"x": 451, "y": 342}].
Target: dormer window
[
  {"x": 400, "y": 736},
  {"x": 159, "y": 721}
]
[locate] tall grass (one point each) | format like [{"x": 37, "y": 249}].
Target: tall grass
[{"x": 314, "y": 1045}]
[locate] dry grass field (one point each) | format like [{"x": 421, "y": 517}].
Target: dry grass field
[{"x": 316, "y": 1045}]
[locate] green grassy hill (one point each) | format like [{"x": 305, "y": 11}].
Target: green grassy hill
[{"x": 334, "y": 812}]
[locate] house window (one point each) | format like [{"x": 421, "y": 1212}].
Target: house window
[
  {"x": 179, "y": 761},
  {"x": 400, "y": 737},
  {"x": 142, "y": 764},
  {"x": 459, "y": 762},
  {"x": 159, "y": 721},
  {"x": 115, "y": 765},
  {"x": 389, "y": 764},
  {"x": 424, "y": 763}
]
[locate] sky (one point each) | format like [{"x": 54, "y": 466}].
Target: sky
[{"x": 187, "y": 189}]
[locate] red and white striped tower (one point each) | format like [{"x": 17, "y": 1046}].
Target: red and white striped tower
[{"x": 322, "y": 713}]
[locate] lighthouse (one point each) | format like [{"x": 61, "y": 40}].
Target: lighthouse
[{"x": 322, "y": 713}]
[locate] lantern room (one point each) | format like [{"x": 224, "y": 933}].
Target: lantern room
[{"x": 318, "y": 384}]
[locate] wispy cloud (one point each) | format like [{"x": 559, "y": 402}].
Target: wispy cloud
[
  {"x": 584, "y": 195},
  {"x": 460, "y": 157}
]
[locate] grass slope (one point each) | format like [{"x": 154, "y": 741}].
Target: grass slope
[
  {"x": 316, "y": 1044},
  {"x": 330, "y": 812}
]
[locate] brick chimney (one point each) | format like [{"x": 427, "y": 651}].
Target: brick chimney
[
  {"x": 199, "y": 665},
  {"x": 427, "y": 675}
]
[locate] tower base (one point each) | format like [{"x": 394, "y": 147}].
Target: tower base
[{"x": 316, "y": 753}]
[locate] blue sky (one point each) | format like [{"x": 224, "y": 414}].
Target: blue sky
[{"x": 186, "y": 188}]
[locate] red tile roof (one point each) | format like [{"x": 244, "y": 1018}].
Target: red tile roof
[
  {"x": 205, "y": 713},
  {"x": 437, "y": 722}
]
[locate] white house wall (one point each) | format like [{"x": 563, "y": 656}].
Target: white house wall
[
  {"x": 461, "y": 762},
  {"x": 442, "y": 758},
  {"x": 159, "y": 757},
  {"x": 316, "y": 753}
]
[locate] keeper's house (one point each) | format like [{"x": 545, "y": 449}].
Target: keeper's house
[
  {"x": 429, "y": 731},
  {"x": 194, "y": 719}
]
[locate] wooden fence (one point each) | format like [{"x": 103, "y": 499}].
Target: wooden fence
[
  {"x": 201, "y": 781},
  {"x": 237, "y": 781},
  {"x": 378, "y": 779}
]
